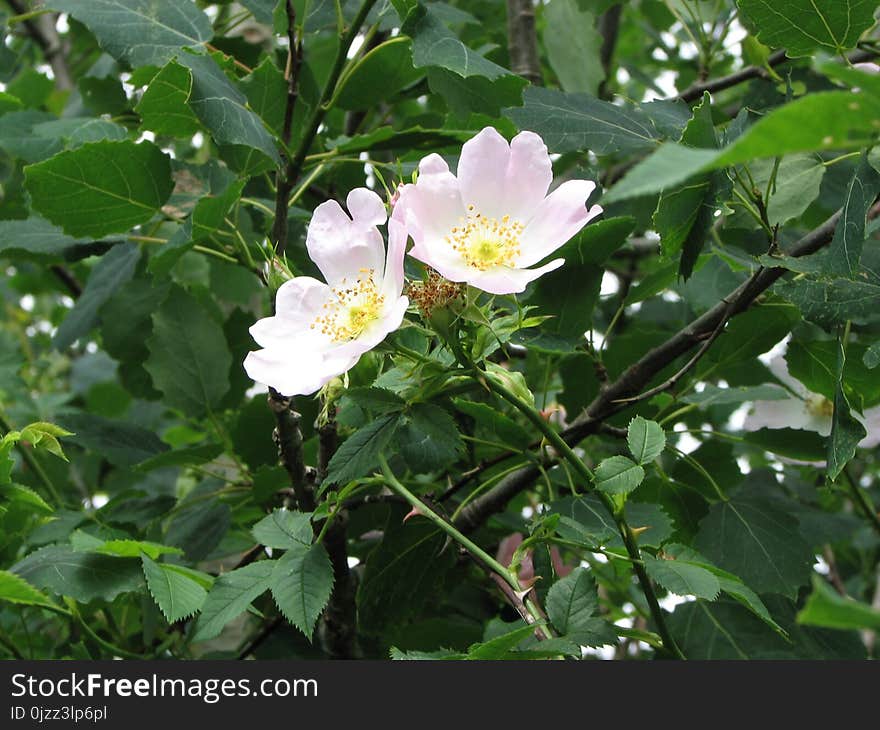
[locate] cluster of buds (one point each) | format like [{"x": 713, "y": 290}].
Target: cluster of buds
[{"x": 435, "y": 293}]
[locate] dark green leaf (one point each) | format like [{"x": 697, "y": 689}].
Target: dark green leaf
[
  {"x": 359, "y": 454},
  {"x": 846, "y": 430},
  {"x": 618, "y": 475},
  {"x": 645, "y": 439},
  {"x": 428, "y": 440},
  {"x": 301, "y": 585},
  {"x": 230, "y": 596},
  {"x": 827, "y": 608},
  {"x": 121, "y": 443},
  {"x": 163, "y": 106},
  {"x": 284, "y": 529},
  {"x": 176, "y": 594}
]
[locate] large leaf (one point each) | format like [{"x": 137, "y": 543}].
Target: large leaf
[
  {"x": 163, "y": 106},
  {"x": 751, "y": 537},
  {"x": 301, "y": 584},
  {"x": 683, "y": 578},
  {"x": 573, "y": 605},
  {"x": 359, "y": 454},
  {"x": 223, "y": 108},
  {"x": 36, "y": 237},
  {"x": 802, "y": 26},
  {"x": 570, "y": 122},
  {"x": 845, "y": 251},
  {"x": 14, "y": 589},
  {"x": 815, "y": 122},
  {"x": 140, "y": 32},
  {"x": 176, "y": 594},
  {"x": 230, "y": 596},
  {"x": 429, "y": 439},
  {"x": 113, "y": 271},
  {"x": 102, "y": 187},
  {"x": 379, "y": 75},
  {"x": 82, "y": 576},
  {"x": 189, "y": 357},
  {"x": 284, "y": 529},
  {"x": 573, "y": 46},
  {"x": 618, "y": 475},
  {"x": 830, "y": 302},
  {"x": 121, "y": 443},
  {"x": 828, "y": 609}
]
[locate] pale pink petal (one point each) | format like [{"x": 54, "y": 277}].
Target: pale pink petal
[
  {"x": 366, "y": 207},
  {"x": 298, "y": 304},
  {"x": 559, "y": 216},
  {"x": 393, "y": 280},
  {"x": 341, "y": 247},
  {"x": 501, "y": 179},
  {"x": 289, "y": 373},
  {"x": 871, "y": 422},
  {"x": 432, "y": 206},
  {"x": 505, "y": 280},
  {"x": 788, "y": 413}
]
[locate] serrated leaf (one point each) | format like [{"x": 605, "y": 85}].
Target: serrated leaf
[
  {"x": 846, "y": 430},
  {"x": 284, "y": 529},
  {"x": 102, "y": 187},
  {"x": 82, "y": 576},
  {"x": 501, "y": 647},
  {"x": 802, "y": 26},
  {"x": 376, "y": 400},
  {"x": 115, "y": 269},
  {"x": 189, "y": 357},
  {"x": 188, "y": 456},
  {"x": 141, "y": 32},
  {"x": 22, "y": 495},
  {"x": 121, "y": 443},
  {"x": 569, "y": 122},
  {"x": 230, "y": 596},
  {"x": 828, "y": 609},
  {"x": 359, "y": 454},
  {"x": 496, "y": 426},
  {"x": 683, "y": 578},
  {"x": 830, "y": 302},
  {"x": 572, "y": 602},
  {"x": 14, "y": 589},
  {"x": 135, "y": 548},
  {"x": 429, "y": 439},
  {"x": 163, "y": 106},
  {"x": 645, "y": 439},
  {"x": 618, "y": 475},
  {"x": 177, "y": 595},
  {"x": 301, "y": 585},
  {"x": 753, "y": 539}
]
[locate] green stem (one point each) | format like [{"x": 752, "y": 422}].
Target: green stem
[{"x": 321, "y": 108}]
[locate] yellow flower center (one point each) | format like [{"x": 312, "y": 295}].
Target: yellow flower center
[
  {"x": 486, "y": 242},
  {"x": 351, "y": 308},
  {"x": 819, "y": 406}
]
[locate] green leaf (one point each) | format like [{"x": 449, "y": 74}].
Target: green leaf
[
  {"x": 376, "y": 400},
  {"x": 15, "y": 589},
  {"x": 36, "y": 238},
  {"x": 188, "y": 456},
  {"x": 102, "y": 187},
  {"x": 387, "y": 138},
  {"x": 223, "y": 108},
  {"x": 121, "y": 443},
  {"x": 751, "y": 537},
  {"x": 114, "y": 270},
  {"x": 789, "y": 442},
  {"x": 645, "y": 439},
  {"x": 683, "y": 578},
  {"x": 573, "y": 44},
  {"x": 24, "y": 496},
  {"x": 569, "y": 122},
  {"x": 572, "y": 601},
  {"x": 815, "y": 122},
  {"x": 798, "y": 181},
  {"x": 189, "y": 358},
  {"x": 82, "y": 576},
  {"x": 301, "y": 585},
  {"x": 44, "y": 436},
  {"x": 802, "y": 26},
  {"x": 501, "y": 647},
  {"x": 266, "y": 92},
  {"x": 230, "y": 596},
  {"x": 134, "y": 549},
  {"x": 163, "y": 106},
  {"x": 846, "y": 430},
  {"x": 284, "y": 529},
  {"x": 618, "y": 475},
  {"x": 359, "y": 454},
  {"x": 176, "y": 594},
  {"x": 140, "y": 32},
  {"x": 18, "y": 135},
  {"x": 402, "y": 573},
  {"x": 77, "y": 131},
  {"x": 827, "y": 608},
  {"x": 833, "y": 301},
  {"x": 871, "y": 358},
  {"x": 845, "y": 251},
  {"x": 428, "y": 440},
  {"x": 380, "y": 74},
  {"x": 495, "y": 425}
]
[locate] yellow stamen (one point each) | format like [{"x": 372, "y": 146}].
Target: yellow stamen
[
  {"x": 351, "y": 308},
  {"x": 486, "y": 242},
  {"x": 819, "y": 406}
]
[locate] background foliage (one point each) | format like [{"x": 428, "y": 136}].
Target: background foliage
[{"x": 159, "y": 160}]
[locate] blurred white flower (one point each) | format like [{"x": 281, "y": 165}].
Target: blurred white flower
[
  {"x": 320, "y": 330},
  {"x": 805, "y": 410},
  {"x": 493, "y": 219}
]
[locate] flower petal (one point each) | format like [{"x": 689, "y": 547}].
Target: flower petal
[
  {"x": 559, "y": 216},
  {"x": 392, "y": 284},
  {"x": 300, "y": 373},
  {"x": 341, "y": 247},
  {"x": 366, "y": 207},
  {"x": 297, "y": 304},
  {"x": 788, "y": 413},
  {"x": 779, "y": 367},
  {"x": 505, "y": 280},
  {"x": 501, "y": 179}
]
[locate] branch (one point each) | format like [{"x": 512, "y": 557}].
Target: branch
[
  {"x": 289, "y": 440},
  {"x": 285, "y": 179},
  {"x": 522, "y": 40},
  {"x": 42, "y": 29},
  {"x": 609, "y": 25},
  {"x": 66, "y": 277},
  {"x": 613, "y": 398}
]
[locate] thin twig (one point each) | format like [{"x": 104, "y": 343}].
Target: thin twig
[{"x": 522, "y": 40}]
